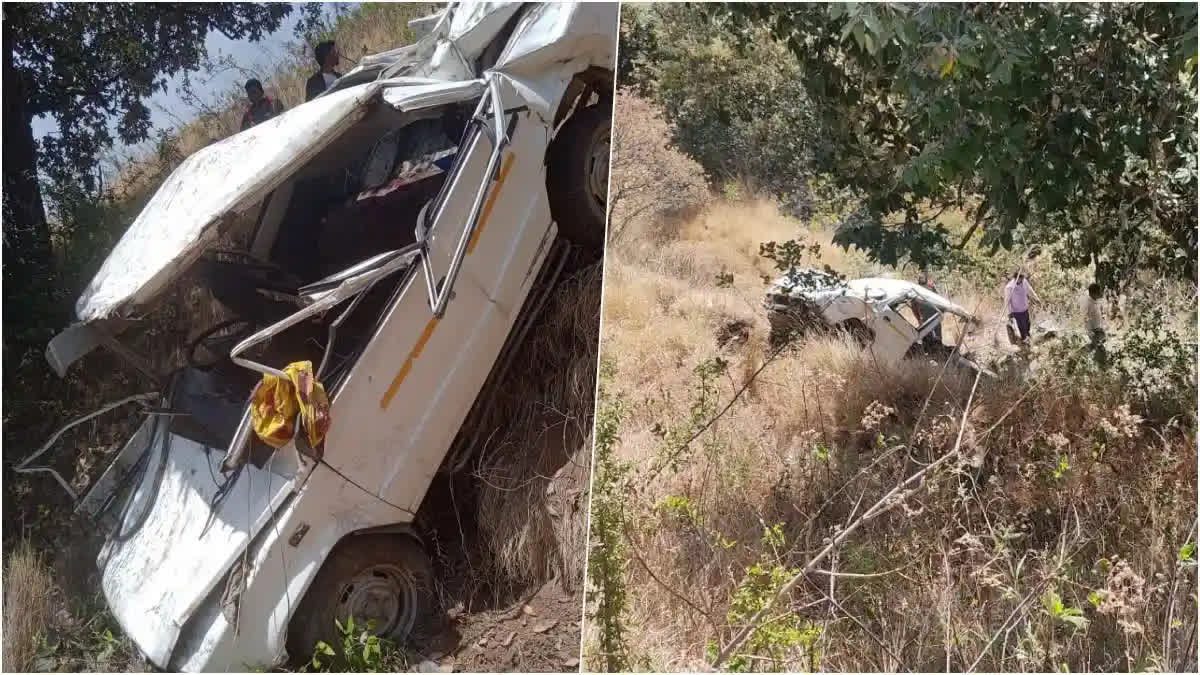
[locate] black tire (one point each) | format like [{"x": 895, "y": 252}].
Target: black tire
[
  {"x": 381, "y": 575},
  {"x": 577, "y": 169}
]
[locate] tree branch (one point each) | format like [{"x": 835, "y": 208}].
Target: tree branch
[{"x": 885, "y": 503}]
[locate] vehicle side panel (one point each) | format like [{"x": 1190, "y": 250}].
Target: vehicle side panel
[{"x": 408, "y": 394}]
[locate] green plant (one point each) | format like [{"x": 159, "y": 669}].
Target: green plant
[
  {"x": 361, "y": 650},
  {"x": 1054, "y": 119},
  {"x": 611, "y": 487},
  {"x": 1053, "y": 607},
  {"x": 776, "y": 643},
  {"x": 677, "y": 439}
]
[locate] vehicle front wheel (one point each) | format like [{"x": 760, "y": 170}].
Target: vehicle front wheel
[
  {"x": 382, "y": 579},
  {"x": 577, "y": 175}
]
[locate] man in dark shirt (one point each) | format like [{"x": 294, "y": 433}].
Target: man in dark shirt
[
  {"x": 328, "y": 59},
  {"x": 925, "y": 311},
  {"x": 262, "y": 107}
]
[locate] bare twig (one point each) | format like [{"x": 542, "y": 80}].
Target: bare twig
[
  {"x": 708, "y": 425},
  {"x": 878, "y": 640},
  {"x": 857, "y": 575},
  {"x": 882, "y": 506}
]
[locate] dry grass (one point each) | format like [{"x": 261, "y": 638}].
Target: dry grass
[
  {"x": 1052, "y": 487},
  {"x": 533, "y": 470},
  {"x": 28, "y": 589}
]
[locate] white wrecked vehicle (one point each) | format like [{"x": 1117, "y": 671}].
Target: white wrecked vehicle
[
  {"x": 399, "y": 233},
  {"x": 867, "y": 309}
]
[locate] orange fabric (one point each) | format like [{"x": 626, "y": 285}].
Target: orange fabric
[{"x": 277, "y": 402}]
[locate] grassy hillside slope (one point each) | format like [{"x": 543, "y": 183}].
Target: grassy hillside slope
[{"x": 1057, "y": 532}]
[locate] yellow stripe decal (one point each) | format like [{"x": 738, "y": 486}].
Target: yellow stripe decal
[
  {"x": 487, "y": 208},
  {"x": 429, "y": 328},
  {"x": 408, "y": 363}
]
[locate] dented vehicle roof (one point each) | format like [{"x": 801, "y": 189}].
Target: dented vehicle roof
[
  {"x": 872, "y": 289},
  {"x": 549, "y": 45}
]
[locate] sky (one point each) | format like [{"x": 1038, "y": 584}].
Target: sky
[{"x": 258, "y": 57}]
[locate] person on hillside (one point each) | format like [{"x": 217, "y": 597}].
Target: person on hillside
[
  {"x": 328, "y": 59},
  {"x": 924, "y": 310},
  {"x": 1017, "y": 294},
  {"x": 262, "y": 107},
  {"x": 1094, "y": 320}
]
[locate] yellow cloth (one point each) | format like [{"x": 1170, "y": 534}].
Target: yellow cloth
[{"x": 277, "y": 401}]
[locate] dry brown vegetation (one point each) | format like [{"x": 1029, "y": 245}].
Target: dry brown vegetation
[
  {"x": 27, "y": 606},
  {"x": 1055, "y": 530},
  {"x": 533, "y": 473}
]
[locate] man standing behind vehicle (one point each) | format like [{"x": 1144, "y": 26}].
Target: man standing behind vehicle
[
  {"x": 262, "y": 107},
  {"x": 924, "y": 310},
  {"x": 1095, "y": 322},
  {"x": 1017, "y": 294},
  {"x": 328, "y": 58}
]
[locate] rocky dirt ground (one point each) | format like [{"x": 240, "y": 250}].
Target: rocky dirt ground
[{"x": 538, "y": 634}]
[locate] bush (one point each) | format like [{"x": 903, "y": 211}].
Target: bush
[
  {"x": 743, "y": 115},
  {"x": 651, "y": 181}
]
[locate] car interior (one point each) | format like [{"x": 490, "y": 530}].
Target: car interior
[{"x": 358, "y": 198}]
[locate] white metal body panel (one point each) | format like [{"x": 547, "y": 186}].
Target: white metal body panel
[
  {"x": 279, "y": 575},
  {"x": 406, "y": 397},
  {"x": 159, "y": 575},
  {"x": 236, "y": 173}
]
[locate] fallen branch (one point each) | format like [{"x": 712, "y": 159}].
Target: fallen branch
[
  {"x": 855, "y": 575},
  {"x": 886, "y": 503}
]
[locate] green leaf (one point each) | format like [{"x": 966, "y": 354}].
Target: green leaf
[
  {"x": 1052, "y": 603},
  {"x": 947, "y": 68},
  {"x": 1003, "y": 72},
  {"x": 968, "y": 59},
  {"x": 872, "y": 22},
  {"x": 1187, "y": 552},
  {"x": 848, "y": 28}
]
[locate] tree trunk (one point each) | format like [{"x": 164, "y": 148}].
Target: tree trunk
[
  {"x": 28, "y": 258},
  {"x": 26, "y": 236}
]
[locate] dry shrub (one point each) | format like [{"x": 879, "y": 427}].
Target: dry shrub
[
  {"x": 533, "y": 469},
  {"x": 651, "y": 183},
  {"x": 28, "y": 588}
]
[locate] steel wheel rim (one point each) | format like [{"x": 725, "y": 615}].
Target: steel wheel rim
[{"x": 384, "y": 594}]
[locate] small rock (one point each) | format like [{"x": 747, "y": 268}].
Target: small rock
[
  {"x": 528, "y": 610},
  {"x": 571, "y": 662},
  {"x": 427, "y": 666},
  {"x": 508, "y": 640},
  {"x": 523, "y": 621},
  {"x": 447, "y": 667},
  {"x": 545, "y": 626},
  {"x": 483, "y": 641}
]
